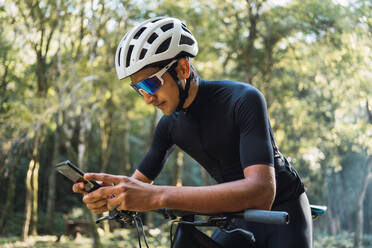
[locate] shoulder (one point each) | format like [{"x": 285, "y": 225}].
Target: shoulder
[
  {"x": 250, "y": 96},
  {"x": 240, "y": 93},
  {"x": 246, "y": 101},
  {"x": 237, "y": 90}
]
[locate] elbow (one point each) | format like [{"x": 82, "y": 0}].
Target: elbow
[
  {"x": 268, "y": 197},
  {"x": 265, "y": 196},
  {"x": 260, "y": 187}
]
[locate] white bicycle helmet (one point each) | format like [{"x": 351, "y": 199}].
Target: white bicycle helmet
[{"x": 154, "y": 40}]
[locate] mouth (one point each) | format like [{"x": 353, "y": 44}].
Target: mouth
[{"x": 159, "y": 105}]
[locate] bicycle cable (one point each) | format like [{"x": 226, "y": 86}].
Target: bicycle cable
[
  {"x": 137, "y": 219},
  {"x": 128, "y": 218},
  {"x": 143, "y": 231}
]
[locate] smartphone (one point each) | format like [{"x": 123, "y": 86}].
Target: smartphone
[{"x": 73, "y": 173}]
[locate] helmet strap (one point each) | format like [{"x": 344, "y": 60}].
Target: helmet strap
[{"x": 183, "y": 93}]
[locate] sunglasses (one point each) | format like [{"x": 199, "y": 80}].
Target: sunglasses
[{"x": 152, "y": 83}]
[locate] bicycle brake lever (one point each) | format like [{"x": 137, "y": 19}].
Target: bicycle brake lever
[
  {"x": 245, "y": 233},
  {"x": 99, "y": 220},
  {"x": 113, "y": 216}
]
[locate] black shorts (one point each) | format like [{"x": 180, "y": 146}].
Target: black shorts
[{"x": 298, "y": 233}]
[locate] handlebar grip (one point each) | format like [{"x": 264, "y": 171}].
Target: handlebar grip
[{"x": 268, "y": 217}]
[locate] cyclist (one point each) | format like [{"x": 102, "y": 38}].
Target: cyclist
[{"x": 221, "y": 124}]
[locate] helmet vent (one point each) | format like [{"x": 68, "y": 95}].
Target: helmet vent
[
  {"x": 126, "y": 35},
  {"x": 119, "y": 56},
  {"x": 138, "y": 34},
  {"x": 130, "y": 49},
  {"x": 152, "y": 38},
  {"x": 167, "y": 27},
  {"x": 186, "y": 40},
  {"x": 143, "y": 53},
  {"x": 185, "y": 29},
  {"x": 156, "y": 20},
  {"x": 164, "y": 46}
]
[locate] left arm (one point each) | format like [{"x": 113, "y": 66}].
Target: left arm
[{"x": 256, "y": 190}]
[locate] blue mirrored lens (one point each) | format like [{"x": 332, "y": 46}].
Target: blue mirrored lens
[{"x": 150, "y": 85}]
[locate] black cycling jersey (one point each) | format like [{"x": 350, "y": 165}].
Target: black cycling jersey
[{"x": 225, "y": 129}]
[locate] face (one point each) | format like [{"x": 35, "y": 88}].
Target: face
[{"x": 166, "y": 98}]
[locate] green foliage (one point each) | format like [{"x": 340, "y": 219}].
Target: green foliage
[
  {"x": 157, "y": 237},
  {"x": 311, "y": 59}
]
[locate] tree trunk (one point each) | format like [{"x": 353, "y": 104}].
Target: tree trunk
[
  {"x": 82, "y": 161},
  {"x": 13, "y": 167},
  {"x": 50, "y": 213},
  {"x": 26, "y": 225},
  {"x": 268, "y": 67},
  {"x": 35, "y": 190},
  {"x": 30, "y": 190},
  {"x": 367, "y": 178},
  {"x": 253, "y": 15},
  {"x": 346, "y": 202},
  {"x": 93, "y": 228},
  {"x": 178, "y": 168},
  {"x": 126, "y": 161},
  {"x": 336, "y": 218},
  {"x": 333, "y": 220}
]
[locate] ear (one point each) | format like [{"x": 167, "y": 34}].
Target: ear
[{"x": 183, "y": 68}]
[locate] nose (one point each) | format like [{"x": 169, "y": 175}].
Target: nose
[{"x": 148, "y": 97}]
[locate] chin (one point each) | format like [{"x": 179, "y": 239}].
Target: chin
[{"x": 168, "y": 111}]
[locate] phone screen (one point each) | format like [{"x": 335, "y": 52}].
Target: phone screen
[{"x": 73, "y": 173}]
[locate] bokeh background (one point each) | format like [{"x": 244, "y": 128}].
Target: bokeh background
[{"x": 60, "y": 99}]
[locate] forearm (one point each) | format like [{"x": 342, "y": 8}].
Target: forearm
[
  {"x": 227, "y": 197},
  {"x": 255, "y": 191}
]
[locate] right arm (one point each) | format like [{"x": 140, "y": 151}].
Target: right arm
[
  {"x": 161, "y": 147},
  {"x": 151, "y": 164}
]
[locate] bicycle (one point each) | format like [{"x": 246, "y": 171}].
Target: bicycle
[{"x": 187, "y": 224}]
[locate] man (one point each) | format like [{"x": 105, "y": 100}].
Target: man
[{"x": 222, "y": 124}]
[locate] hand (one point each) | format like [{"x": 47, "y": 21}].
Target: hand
[
  {"x": 98, "y": 206},
  {"x": 126, "y": 193}
]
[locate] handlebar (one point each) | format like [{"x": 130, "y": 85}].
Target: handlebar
[
  {"x": 221, "y": 220},
  {"x": 250, "y": 215}
]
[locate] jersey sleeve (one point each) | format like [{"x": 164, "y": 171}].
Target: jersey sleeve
[
  {"x": 253, "y": 123},
  {"x": 161, "y": 147}
]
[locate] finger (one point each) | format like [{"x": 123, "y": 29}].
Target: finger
[
  {"x": 98, "y": 204},
  {"x": 78, "y": 187},
  {"x": 99, "y": 210},
  {"x": 105, "y": 178},
  {"x": 116, "y": 202},
  {"x": 100, "y": 194}
]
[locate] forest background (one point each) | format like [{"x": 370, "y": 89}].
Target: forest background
[{"x": 60, "y": 99}]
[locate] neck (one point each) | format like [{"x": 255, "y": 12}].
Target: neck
[{"x": 194, "y": 87}]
